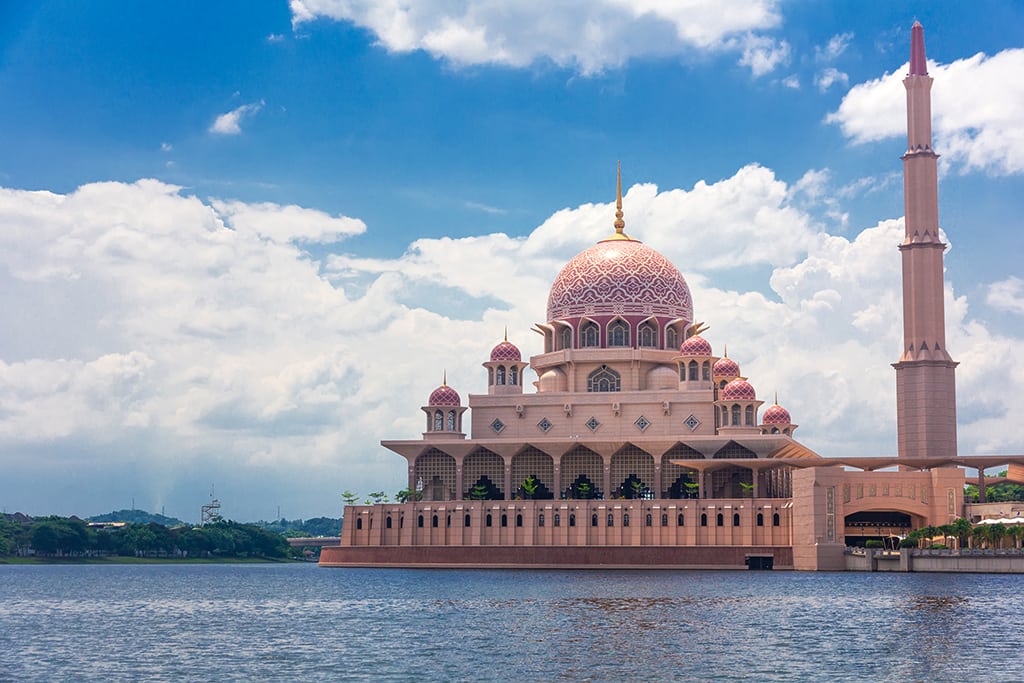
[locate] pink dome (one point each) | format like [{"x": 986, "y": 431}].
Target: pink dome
[
  {"x": 738, "y": 390},
  {"x": 725, "y": 367},
  {"x": 506, "y": 351},
  {"x": 695, "y": 346},
  {"x": 444, "y": 395},
  {"x": 619, "y": 277},
  {"x": 776, "y": 415}
]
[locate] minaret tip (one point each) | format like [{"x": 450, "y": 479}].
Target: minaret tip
[
  {"x": 918, "y": 62},
  {"x": 506, "y": 332},
  {"x": 444, "y": 377}
]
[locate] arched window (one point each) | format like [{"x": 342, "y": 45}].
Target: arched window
[
  {"x": 566, "y": 338},
  {"x": 693, "y": 371},
  {"x": 448, "y": 521},
  {"x": 438, "y": 420},
  {"x": 540, "y": 519},
  {"x": 625, "y": 519},
  {"x": 572, "y": 520},
  {"x": 664, "y": 519},
  {"x": 735, "y": 519},
  {"x": 419, "y": 522},
  {"x": 720, "y": 519},
  {"x": 519, "y": 520},
  {"x": 775, "y": 430},
  {"x": 433, "y": 521},
  {"x": 681, "y": 521},
  {"x": 736, "y": 415},
  {"x": 513, "y": 375},
  {"x": 649, "y": 521},
  {"x": 489, "y": 521},
  {"x": 760, "y": 519},
  {"x": 725, "y": 416},
  {"x": 387, "y": 522},
  {"x": 504, "y": 520},
  {"x": 618, "y": 333},
  {"x": 749, "y": 416},
  {"x": 705, "y": 371},
  {"x": 451, "y": 420},
  {"x": 703, "y": 519},
  {"x": 401, "y": 521},
  {"x": 611, "y": 519},
  {"x": 501, "y": 374},
  {"x": 589, "y": 335},
  {"x": 775, "y": 519},
  {"x": 468, "y": 521},
  {"x": 558, "y": 519},
  {"x": 604, "y": 379},
  {"x": 648, "y": 335},
  {"x": 490, "y": 376},
  {"x": 671, "y": 338},
  {"x": 593, "y": 519},
  {"x": 359, "y": 524}
]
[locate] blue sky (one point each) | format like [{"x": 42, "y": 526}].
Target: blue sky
[{"x": 240, "y": 241}]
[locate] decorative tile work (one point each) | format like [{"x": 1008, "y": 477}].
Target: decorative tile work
[
  {"x": 444, "y": 396},
  {"x": 506, "y": 351},
  {"x": 619, "y": 277},
  {"x": 692, "y": 422},
  {"x": 544, "y": 425},
  {"x": 725, "y": 367},
  {"x": 642, "y": 423},
  {"x": 593, "y": 424},
  {"x": 776, "y": 415},
  {"x": 738, "y": 390},
  {"x": 695, "y": 346},
  {"x": 497, "y": 425}
]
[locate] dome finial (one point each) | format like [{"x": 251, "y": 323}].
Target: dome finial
[
  {"x": 725, "y": 350},
  {"x": 444, "y": 377},
  {"x": 620, "y": 224},
  {"x": 776, "y": 398},
  {"x": 506, "y": 332}
]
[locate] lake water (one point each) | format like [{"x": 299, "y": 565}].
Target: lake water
[{"x": 297, "y": 622}]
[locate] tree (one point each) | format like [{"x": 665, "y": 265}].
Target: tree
[
  {"x": 349, "y": 497},
  {"x": 379, "y": 497},
  {"x": 406, "y": 495},
  {"x": 962, "y": 530}
]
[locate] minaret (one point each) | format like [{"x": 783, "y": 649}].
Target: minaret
[{"x": 925, "y": 380}]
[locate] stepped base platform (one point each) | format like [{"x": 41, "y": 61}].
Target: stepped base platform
[{"x": 560, "y": 557}]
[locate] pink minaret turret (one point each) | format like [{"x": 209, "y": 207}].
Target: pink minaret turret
[{"x": 925, "y": 381}]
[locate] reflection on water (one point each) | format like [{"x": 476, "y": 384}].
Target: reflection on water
[{"x": 299, "y": 622}]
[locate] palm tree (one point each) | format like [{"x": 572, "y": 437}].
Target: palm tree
[
  {"x": 947, "y": 531},
  {"x": 962, "y": 530}
]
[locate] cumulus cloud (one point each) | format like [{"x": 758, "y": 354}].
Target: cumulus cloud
[
  {"x": 231, "y": 122},
  {"x": 828, "y": 77},
  {"x": 977, "y": 109},
  {"x": 586, "y": 35},
  {"x": 1007, "y": 295},
  {"x": 835, "y": 46},
  {"x": 176, "y": 341}
]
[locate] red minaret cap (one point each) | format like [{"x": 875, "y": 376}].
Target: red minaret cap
[{"x": 918, "y": 63}]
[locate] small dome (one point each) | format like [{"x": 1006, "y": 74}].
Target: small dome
[
  {"x": 776, "y": 415},
  {"x": 662, "y": 377},
  {"x": 726, "y": 367},
  {"x": 444, "y": 395},
  {"x": 506, "y": 351},
  {"x": 695, "y": 346},
  {"x": 738, "y": 390}
]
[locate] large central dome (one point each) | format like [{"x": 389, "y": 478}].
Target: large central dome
[{"x": 619, "y": 276}]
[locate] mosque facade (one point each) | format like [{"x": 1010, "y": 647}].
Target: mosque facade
[{"x": 643, "y": 445}]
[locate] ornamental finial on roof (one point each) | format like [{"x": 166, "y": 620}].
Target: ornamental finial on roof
[
  {"x": 444, "y": 377},
  {"x": 620, "y": 224},
  {"x": 506, "y": 332}
]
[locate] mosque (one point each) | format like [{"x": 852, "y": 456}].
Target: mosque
[{"x": 642, "y": 446}]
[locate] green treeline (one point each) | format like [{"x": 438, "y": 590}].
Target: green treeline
[{"x": 62, "y": 537}]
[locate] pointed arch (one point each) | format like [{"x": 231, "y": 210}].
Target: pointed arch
[
  {"x": 604, "y": 379},
  {"x": 618, "y": 333}
]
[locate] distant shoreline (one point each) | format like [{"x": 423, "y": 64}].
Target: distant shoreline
[{"x": 143, "y": 560}]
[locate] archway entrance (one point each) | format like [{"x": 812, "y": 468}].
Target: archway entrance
[{"x": 886, "y": 526}]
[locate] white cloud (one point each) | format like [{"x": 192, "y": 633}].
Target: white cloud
[
  {"x": 230, "y": 123},
  {"x": 1007, "y": 295},
  {"x": 792, "y": 81},
  {"x": 977, "y": 110},
  {"x": 763, "y": 54},
  {"x": 828, "y": 77},
  {"x": 155, "y": 341},
  {"x": 166, "y": 147},
  {"x": 835, "y": 46},
  {"x": 588, "y": 35}
]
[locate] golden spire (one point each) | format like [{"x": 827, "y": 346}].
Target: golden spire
[
  {"x": 444, "y": 380},
  {"x": 776, "y": 398},
  {"x": 620, "y": 224},
  {"x": 725, "y": 350},
  {"x": 506, "y": 332}
]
